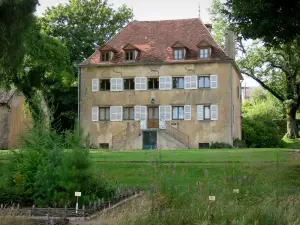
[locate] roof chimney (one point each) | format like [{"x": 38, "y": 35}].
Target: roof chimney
[
  {"x": 208, "y": 26},
  {"x": 230, "y": 44}
]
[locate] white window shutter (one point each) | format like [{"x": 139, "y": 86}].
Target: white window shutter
[
  {"x": 120, "y": 84},
  {"x": 213, "y": 81},
  {"x": 162, "y": 83},
  {"x": 200, "y": 112},
  {"x": 143, "y": 124},
  {"x": 187, "y": 112},
  {"x": 214, "y": 112},
  {"x": 168, "y": 112},
  {"x": 137, "y": 83},
  {"x": 95, "y": 113},
  {"x": 113, "y": 84},
  {"x": 95, "y": 85},
  {"x": 144, "y": 83},
  {"x": 187, "y": 82},
  {"x": 162, "y": 124},
  {"x": 168, "y": 83},
  {"x": 194, "y": 82},
  {"x": 113, "y": 113},
  {"x": 119, "y": 113},
  {"x": 143, "y": 112},
  {"x": 137, "y": 112},
  {"x": 161, "y": 112}
]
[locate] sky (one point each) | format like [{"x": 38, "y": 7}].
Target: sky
[{"x": 156, "y": 10}]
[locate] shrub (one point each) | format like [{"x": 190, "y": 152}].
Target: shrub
[
  {"x": 238, "y": 143},
  {"x": 220, "y": 145},
  {"x": 260, "y": 132},
  {"x": 43, "y": 172}
]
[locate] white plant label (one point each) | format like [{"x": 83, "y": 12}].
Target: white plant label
[
  {"x": 212, "y": 198},
  {"x": 236, "y": 191},
  {"x": 77, "y": 194}
]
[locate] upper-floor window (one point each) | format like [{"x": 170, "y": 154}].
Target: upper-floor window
[
  {"x": 204, "y": 53},
  {"x": 128, "y": 113},
  {"x": 104, "y": 113},
  {"x": 105, "y": 56},
  {"x": 104, "y": 85},
  {"x": 130, "y": 55},
  {"x": 129, "y": 84},
  {"x": 178, "y": 54},
  {"x": 178, "y": 113},
  {"x": 153, "y": 83},
  {"x": 204, "y": 82},
  {"x": 178, "y": 82}
]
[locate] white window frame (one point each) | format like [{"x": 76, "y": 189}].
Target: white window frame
[
  {"x": 204, "y": 53},
  {"x": 200, "y": 112},
  {"x": 214, "y": 112}
]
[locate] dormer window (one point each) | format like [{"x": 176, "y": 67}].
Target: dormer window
[
  {"x": 179, "y": 50},
  {"x": 105, "y": 56},
  {"x": 205, "y": 49},
  {"x": 204, "y": 53},
  {"x": 107, "y": 53},
  {"x": 130, "y": 55},
  {"x": 131, "y": 52},
  {"x": 178, "y": 54}
]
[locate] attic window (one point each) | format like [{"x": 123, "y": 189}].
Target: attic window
[
  {"x": 130, "y": 56},
  {"x": 178, "y": 53},
  {"x": 105, "y": 56},
  {"x": 204, "y": 53}
]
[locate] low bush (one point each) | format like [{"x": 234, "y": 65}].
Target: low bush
[
  {"x": 220, "y": 145},
  {"x": 238, "y": 143},
  {"x": 261, "y": 132}
]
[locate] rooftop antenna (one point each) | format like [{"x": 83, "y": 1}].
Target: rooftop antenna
[
  {"x": 132, "y": 14},
  {"x": 199, "y": 13}
]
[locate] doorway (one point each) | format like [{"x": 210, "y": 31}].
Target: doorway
[
  {"x": 153, "y": 117},
  {"x": 149, "y": 140}
]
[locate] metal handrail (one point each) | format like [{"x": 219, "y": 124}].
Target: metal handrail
[
  {"x": 123, "y": 136},
  {"x": 175, "y": 133}
]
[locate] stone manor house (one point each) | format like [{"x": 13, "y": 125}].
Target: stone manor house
[{"x": 161, "y": 84}]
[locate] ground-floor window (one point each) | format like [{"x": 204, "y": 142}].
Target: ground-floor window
[
  {"x": 128, "y": 113},
  {"x": 104, "y": 145},
  {"x": 178, "y": 113},
  {"x": 104, "y": 113},
  {"x": 203, "y": 145}
]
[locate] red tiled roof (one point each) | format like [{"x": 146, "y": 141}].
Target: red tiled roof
[{"x": 155, "y": 38}]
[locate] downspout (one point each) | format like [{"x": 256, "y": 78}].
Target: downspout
[
  {"x": 78, "y": 99},
  {"x": 231, "y": 111}
]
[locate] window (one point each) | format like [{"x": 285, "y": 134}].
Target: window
[
  {"x": 204, "y": 82},
  {"x": 105, "y": 85},
  {"x": 207, "y": 112},
  {"x": 104, "y": 145},
  {"x": 128, "y": 113},
  {"x": 130, "y": 55},
  {"x": 178, "y": 82},
  {"x": 204, "y": 52},
  {"x": 128, "y": 84},
  {"x": 140, "y": 83},
  {"x": 116, "y": 84},
  {"x": 104, "y": 113},
  {"x": 178, "y": 54},
  {"x": 191, "y": 82},
  {"x": 178, "y": 113},
  {"x": 105, "y": 56},
  {"x": 203, "y": 145},
  {"x": 153, "y": 83}
]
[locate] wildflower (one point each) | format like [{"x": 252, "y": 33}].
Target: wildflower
[
  {"x": 143, "y": 171},
  {"x": 245, "y": 177}
]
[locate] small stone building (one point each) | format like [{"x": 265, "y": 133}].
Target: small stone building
[{"x": 12, "y": 119}]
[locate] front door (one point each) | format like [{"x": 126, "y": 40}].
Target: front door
[
  {"x": 153, "y": 117},
  {"x": 149, "y": 140}
]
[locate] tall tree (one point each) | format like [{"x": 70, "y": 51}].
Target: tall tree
[
  {"x": 276, "y": 69},
  {"x": 16, "y": 16},
  {"x": 273, "y": 21},
  {"x": 80, "y": 25}
]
